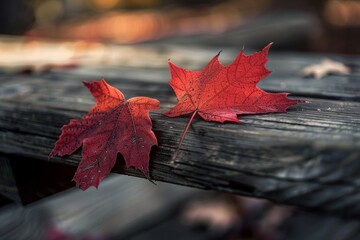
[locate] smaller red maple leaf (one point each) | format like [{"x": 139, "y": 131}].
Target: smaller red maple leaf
[
  {"x": 113, "y": 125},
  {"x": 219, "y": 93}
]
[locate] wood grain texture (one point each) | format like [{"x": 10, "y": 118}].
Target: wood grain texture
[{"x": 308, "y": 156}]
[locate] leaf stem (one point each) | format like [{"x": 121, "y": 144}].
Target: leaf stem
[{"x": 183, "y": 135}]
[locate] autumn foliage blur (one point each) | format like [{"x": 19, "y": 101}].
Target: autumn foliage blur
[{"x": 333, "y": 25}]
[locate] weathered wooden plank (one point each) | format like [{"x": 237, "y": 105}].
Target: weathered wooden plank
[
  {"x": 307, "y": 157},
  {"x": 313, "y": 149}
]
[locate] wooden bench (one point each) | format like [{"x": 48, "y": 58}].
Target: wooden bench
[{"x": 308, "y": 157}]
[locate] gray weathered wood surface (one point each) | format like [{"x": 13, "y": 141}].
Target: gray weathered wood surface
[
  {"x": 308, "y": 156},
  {"x": 122, "y": 207}
]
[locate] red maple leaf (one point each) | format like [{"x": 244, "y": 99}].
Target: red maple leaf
[
  {"x": 113, "y": 125},
  {"x": 219, "y": 93}
]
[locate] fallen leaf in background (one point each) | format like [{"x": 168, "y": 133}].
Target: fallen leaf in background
[
  {"x": 241, "y": 217},
  {"x": 324, "y": 68},
  {"x": 274, "y": 217},
  {"x": 39, "y": 68},
  {"x": 113, "y": 125},
  {"x": 219, "y": 93},
  {"x": 215, "y": 214},
  {"x": 55, "y": 233}
]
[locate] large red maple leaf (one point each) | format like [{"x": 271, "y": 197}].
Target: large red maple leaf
[
  {"x": 113, "y": 125},
  {"x": 219, "y": 93}
]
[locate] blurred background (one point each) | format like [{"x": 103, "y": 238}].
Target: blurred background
[
  {"x": 301, "y": 25},
  {"x": 38, "y": 35}
]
